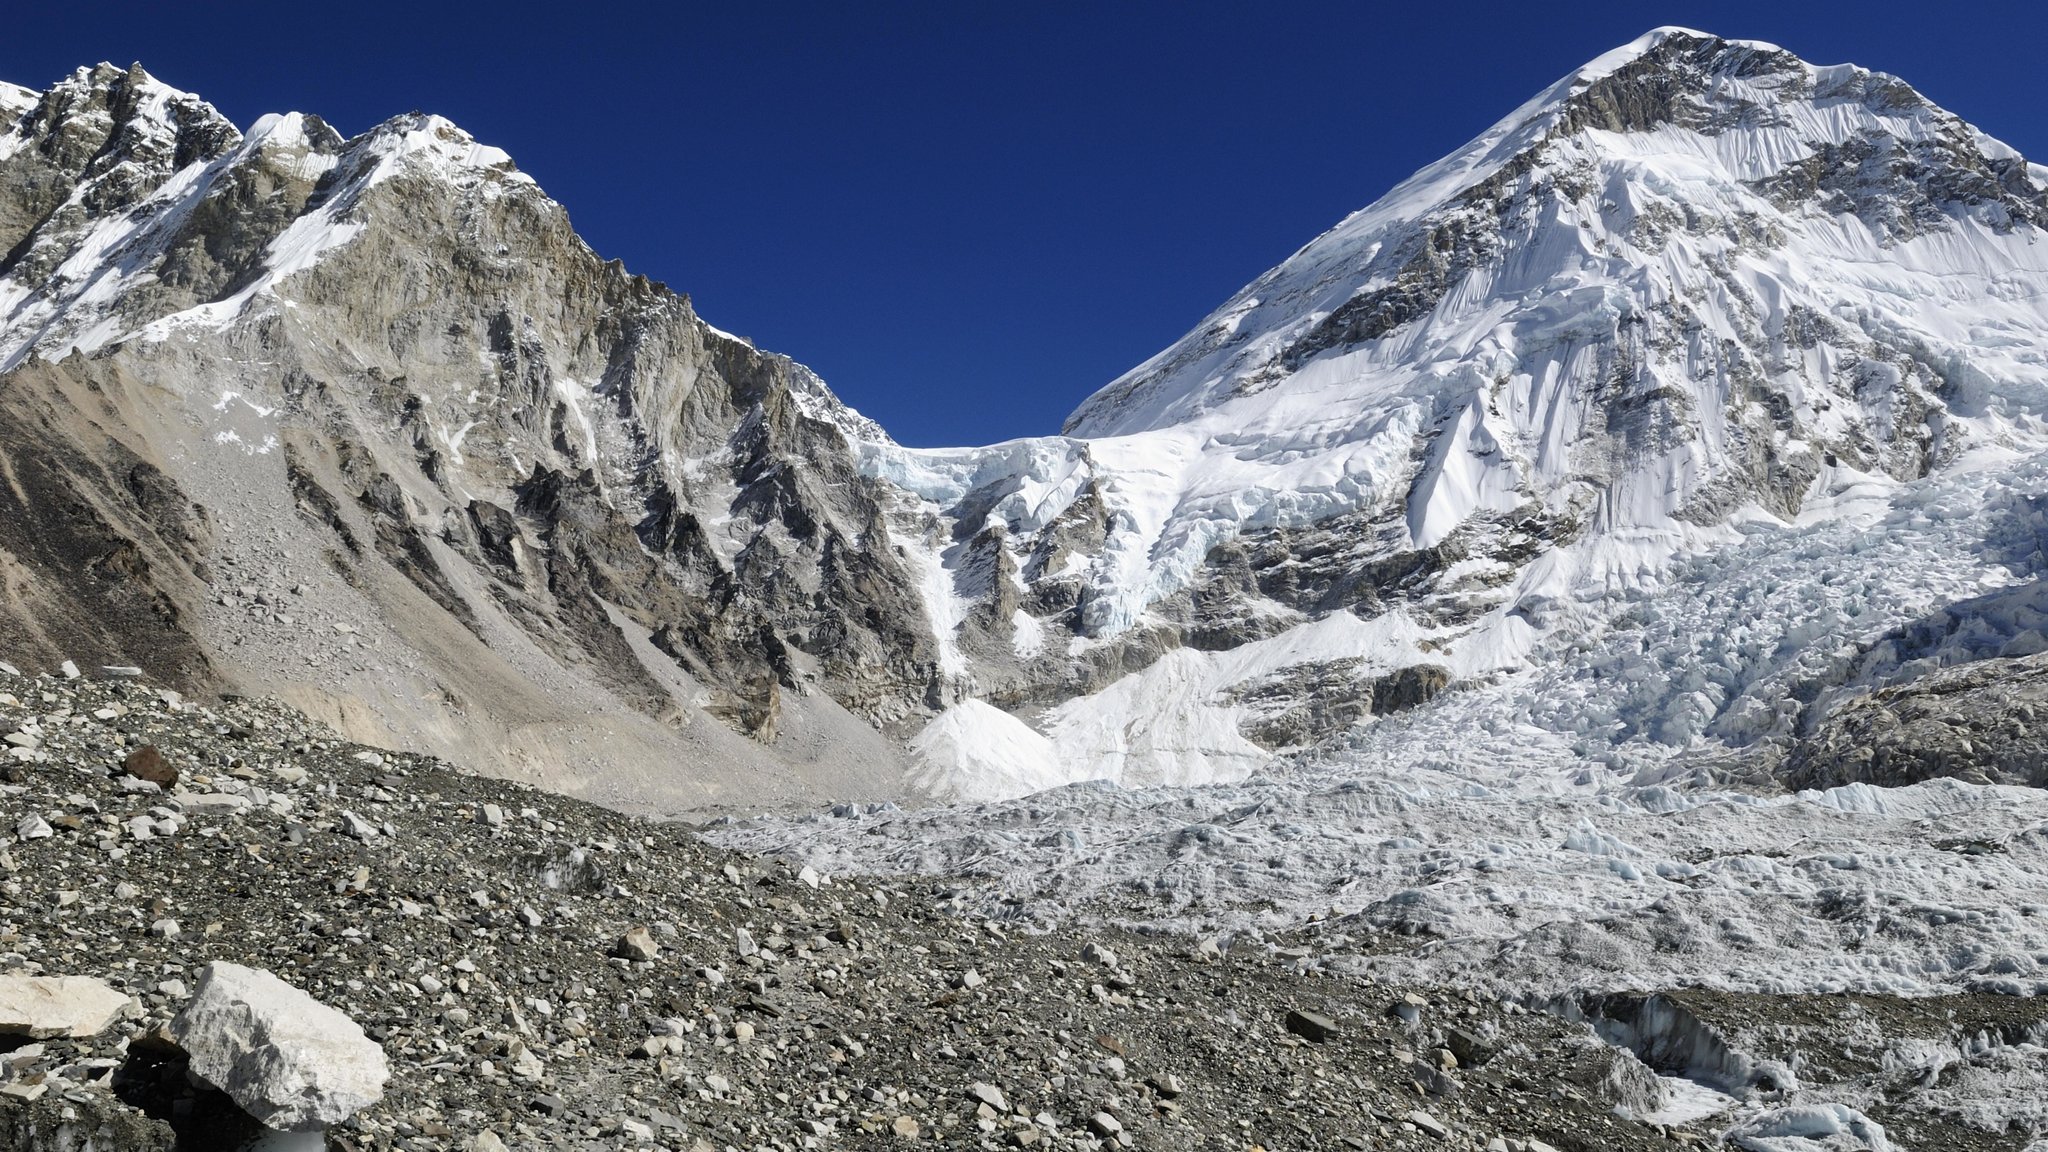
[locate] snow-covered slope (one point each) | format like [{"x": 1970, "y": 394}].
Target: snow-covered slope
[{"x": 1694, "y": 294}]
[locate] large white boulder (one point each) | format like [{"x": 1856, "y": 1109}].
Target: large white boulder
[
  {"x": 290, "y": 1061},
  {"x": 47, "y": 1007}
]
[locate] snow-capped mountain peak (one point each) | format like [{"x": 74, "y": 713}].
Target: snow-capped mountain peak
[
  {"x": 1599, "y": 307},
  {"x": 1694, "y": 289},
  {"x": 1697, "y": 119}
]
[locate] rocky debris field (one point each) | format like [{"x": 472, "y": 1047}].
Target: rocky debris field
[{"x": 543, "y": 973}]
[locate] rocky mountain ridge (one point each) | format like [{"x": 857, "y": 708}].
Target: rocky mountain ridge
[
  {"x": 378, "y": 383},
  {"x": 361, "y": 422}
]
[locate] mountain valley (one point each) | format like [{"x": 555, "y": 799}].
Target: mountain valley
[{"x": 1597, "y": 588}]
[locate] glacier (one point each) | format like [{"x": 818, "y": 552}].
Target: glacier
[{"x": 1715, "y": 421}]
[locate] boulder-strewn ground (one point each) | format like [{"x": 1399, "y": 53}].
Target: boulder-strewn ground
[
  {"x": 481, "y": 933},
  {"x": 474, "y": 929}
]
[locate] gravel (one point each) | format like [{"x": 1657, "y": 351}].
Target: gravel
[{"x": 502, "y": 967}]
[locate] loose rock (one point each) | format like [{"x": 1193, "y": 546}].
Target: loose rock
[
  {"x": 637, "y": 944},
  {"x": 147, "y": 764},
  {"x": 1311, "y": 1025},
  {"x": 47, "y": 1007},
  {"x": 291, "y": 1062},
  {"x": 1429, "y": 1124}
]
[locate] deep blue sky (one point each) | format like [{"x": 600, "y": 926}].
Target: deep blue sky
[{"x": 967, "y": 216}]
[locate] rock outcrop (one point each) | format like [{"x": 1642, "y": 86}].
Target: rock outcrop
[{"x": 1981, "y": 722}]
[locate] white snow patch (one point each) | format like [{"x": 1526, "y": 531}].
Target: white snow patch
[
  {"x": 945, "y": 609},
  {"x": 977, "y": 752},
  {"x": 1174, "y": 723},
  {"x": 1027, "y": 634},
  {"x": 230, "y": 397},
  {"x": 14, "y": 101},
  {"x": 572, "y": 394},
  {"x": 1687, "y": 1101}
]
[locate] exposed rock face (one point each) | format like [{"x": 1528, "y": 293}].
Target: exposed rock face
[
  {"x": 1306, "y": 704},
  {"x": 290, "y": 1061},
  {"x": 379, "y": 383},
  {"x": 44, "y": 1007}
]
